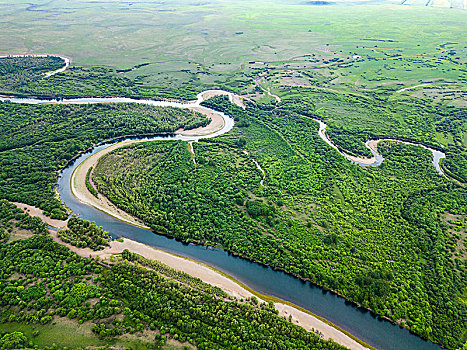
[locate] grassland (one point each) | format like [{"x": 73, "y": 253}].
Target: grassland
[
  {"x": 68, "y": 333},
  {"x": 230, "y": 44}
]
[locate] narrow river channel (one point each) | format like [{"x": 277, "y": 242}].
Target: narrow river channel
[{"x": 363, "y": 324}]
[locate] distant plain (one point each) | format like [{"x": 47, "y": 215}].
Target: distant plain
[{"x": 231, "y": 44}]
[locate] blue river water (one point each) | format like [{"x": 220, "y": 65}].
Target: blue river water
[{"x": 361, "y": 323}]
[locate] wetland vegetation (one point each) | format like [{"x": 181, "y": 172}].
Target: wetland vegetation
[
  {"x": 45, "y": 285},
  {"x": 390, "y": 238}
]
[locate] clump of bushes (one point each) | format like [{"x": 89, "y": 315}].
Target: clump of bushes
[{"x": 83, "y": 233}]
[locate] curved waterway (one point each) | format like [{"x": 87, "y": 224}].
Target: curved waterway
[
  {"x": 378, "y": 159},
  {"x": 361, "y": 323},
  {"x": 377, "y": 332}
]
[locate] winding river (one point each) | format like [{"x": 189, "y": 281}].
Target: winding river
[
  {"x": 361, "y": 323},
  {"x": 378, "y": 159}
]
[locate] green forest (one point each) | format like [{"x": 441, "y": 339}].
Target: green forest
[
  {"x": 43, "y": 284},
  {"x": 81, "y": 82},
  {"x": 39, "y": 140},
  {"x": 355, "y": 118},
  {"x": 379, "y": 236},
  {"x": 390, "y": 238}
]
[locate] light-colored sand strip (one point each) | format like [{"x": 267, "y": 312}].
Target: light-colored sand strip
[
  {"x": 257, "y": 167},
  {"x": 203, "y": 272},
  {"x": 412, "y": 87},
  {"x": 213, "y": 277},
  {"x": 216, "y": 124},
  {"x": 36, "y": 212},
  {"x": 362, "y": 160},
  {"x": 192, "y": 151},
  {"x": 373, "y": 144}
]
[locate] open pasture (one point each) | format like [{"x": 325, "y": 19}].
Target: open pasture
[{"x": 229, "y": 44}]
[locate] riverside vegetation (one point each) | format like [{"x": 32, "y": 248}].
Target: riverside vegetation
[
  {"x": 375, "y": 235},
  {"x": 39, "y": 140},
  {"x": 83, "y": 233},
  {"x": 380, "y": 236},
  {"x": 43, "y": 285},
  {"x": 19, "y": 72}
]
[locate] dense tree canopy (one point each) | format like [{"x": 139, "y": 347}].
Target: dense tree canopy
[
  {"x": 347, "y": 228},
  {"x": 41, "y": 281},
  {"x": 39, "y": 140}
]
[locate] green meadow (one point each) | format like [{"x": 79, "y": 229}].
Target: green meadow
[{"x": 216, "y": 44}]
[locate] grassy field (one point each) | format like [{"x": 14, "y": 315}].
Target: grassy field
[
  {"x": 64, "y": 332},
  {"x": 229, "y": 44}
]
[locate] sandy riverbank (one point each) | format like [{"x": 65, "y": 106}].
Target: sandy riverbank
[
  {"x": 213, "y": 277},
  {"x": 216, "y": 124},
  {"x": 233, "y": 288},
  {"x": 362, "y": 160},
  {"x": 202, "y": 271},
  {"x": 36, "y": 212},
  {"x": 373, "y": 144}
]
